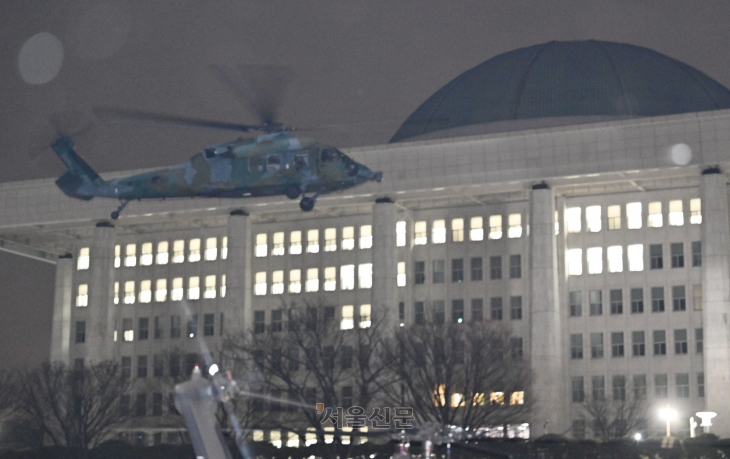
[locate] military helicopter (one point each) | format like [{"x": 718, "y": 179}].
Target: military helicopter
[{"x": 273, "y": 163}]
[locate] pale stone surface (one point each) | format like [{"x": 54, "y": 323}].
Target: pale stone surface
[
  {"x": 238, "y": 311},
  {"x": 101, "y": 309},
  {"x": 384, "y": 289},
  {"x": 61, "y": 328}
]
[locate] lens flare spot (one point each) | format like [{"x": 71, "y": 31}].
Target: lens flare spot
[{"x": 40, "y": 58}]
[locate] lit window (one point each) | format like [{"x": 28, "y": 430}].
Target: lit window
[
  {"x": 348, "y": 238},
  {"x": 146, "y": 258},
  {"x": 161, "y": 290},
  {"x": 194, "y": 248},
  {"x": 277, "y": 249},
  {"x": 572, "y": 219},
  {"x": 128, "y": 330},
  {"x": 130, "y": 252},
  {"x": 177, "y": 289},
  {"x": 194, "y": 288},
  {"x": 365, "y": 275},
  {"x": 438, "y": 232},
  {"x": 400, "y": 234},
  {"x": 178, "y": 251},
  {"x": 347, "y": 277},
  {"x": 162, "y": 253},
  {"x": 116, "y": 292},
  {"x": 348, "y": 318},
  {"x": 593, "y": 219},
  {"x": 496, "y": 398},
  {"x": 495, "y": 227},
  {"x": 330, "y": 279},
  {"x": 478, "y": 399},
  {"x": 129, "y": 292},
  {"x": 312, "y": 284},
  {"x": 476, "y": 229},
  {"x": 401, "y": 279},
  {"x": 594, "y": 257},
  {"x": 615, "y": 254},
  {"x": 676, "y": 214},
  {"x": 635, "y": 253},
  {"x": 633, "y": 215},
  {"x": 82, "y": 300},
  {"x": 210, "y": 290},
  {"x": 420, "y": 234},
  {"x": 515, "y": 226},
  {"x": 575, "y": 262},
  {"x": 83, "y": 261},
  {"x": 224, "y": 248},
  {"x": 557, "y": 223},
  {"x": 330, "y": 239},
  {"x": 295, "y": 281},
  {"x": 313, "y": 241},
  {"x": 223, "y": 287},
  {"x": 614, "y": 217},
  {"x": 145, "y": 291},
  {"x": 295, "y": 243},
  {"x": 457, "y": 230},
  {"x": 211, "y": 249},
  {"x": 117, "y": 256},
  {"x": 457, "y": 400},
  {"x": 261, "y": 248},
  {"x": 366, "y": 236},
  {"x": 277, "y": 282},
  {"x": 655, "y": 215},
  {"x": 695, "y": 211},
  {"x": 365, "y": 317},
  {"x": 260, "y": 286},
  {"x": 517, "y": 398}
]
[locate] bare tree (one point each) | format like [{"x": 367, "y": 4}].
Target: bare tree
[
  {"x": 468, "y": 375},
  {"x": 7, "y": 394},
  {"x": 76, "y": 408},
  {"x": 618, "y": 416}
]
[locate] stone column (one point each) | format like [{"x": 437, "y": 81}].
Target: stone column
[
  {"x": 385, "y": 261},
  {"x": 61, "y": 329},
  {"x": 716, "y": 297},
  {"x": 546, "y": 334},
  {"x": 101, "y": 312},
  {"x": 238, "y": 309}
]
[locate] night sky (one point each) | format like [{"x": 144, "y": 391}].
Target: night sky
[{"x": 359, "y": 69}]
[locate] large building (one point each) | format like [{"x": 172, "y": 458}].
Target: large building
[{"x": 575, "y": 191}]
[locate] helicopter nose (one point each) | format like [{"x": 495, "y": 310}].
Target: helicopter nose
[{"x": 378, "y": 176}]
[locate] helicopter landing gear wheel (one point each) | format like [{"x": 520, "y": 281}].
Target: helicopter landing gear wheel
[
  {"x": 115, "y": 215},
  {"x": 293, "y": 192},
  {"x": 306, "y": 204}
]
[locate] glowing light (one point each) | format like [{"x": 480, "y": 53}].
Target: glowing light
[
  {"x": 213, "y": 369},
  {"x": 681, "y": 154}
]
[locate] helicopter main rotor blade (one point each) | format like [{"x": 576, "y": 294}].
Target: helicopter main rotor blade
[
  {"x": 69, "y": 123},
  {"x": 122, "y": 114},
  {"x": 260, "y": 87}
]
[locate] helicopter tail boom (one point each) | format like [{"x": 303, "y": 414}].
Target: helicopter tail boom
[{"x": 80, "y": 180}]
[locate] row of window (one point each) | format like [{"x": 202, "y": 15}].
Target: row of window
[
  {"x": 347, "y": 279},
  {"x": 638, "y": 343},
  {"x": 635, "y": 258},
  {"x": 142, "y": 330},
  {"x": 145, "y": 293},
  {"x": 436, "y": 311},
  {"x": 636, "y": 298},
  {"x": 438, "y": 269},
  {"x": 619, "y": 387},
  {"x": 594, "y": 221}
]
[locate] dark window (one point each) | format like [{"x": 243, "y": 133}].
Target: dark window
[
  {"x": 638, "y": 348},
  {"x": 619, "y": 387},
  {"x": 655, "y": 256},
  {"x": 144, "y": 328},
  {"x": 346, "y": 357},
  {"x": 617, "y": 303},
  {"x": 329, "y": 314},
  {"x": 576, "y": 346},
  {"x": 599, "y": 388},
  {"x": 495, "y": 267},
  {"x": 477, "y": 310},
  {"x": 158, "y": 366},
  {"x": 682, "y": 385},
  {"x": 515, "y": 266},
  {"x": 175, "y": 325},
  {"x": 660, "y": 386},
  {"x": 458, "y": 352},
  {"x": 637, "y": 300},
  {"x": 192, "y": 326},
  {"x": 126, "y": 367},
  {"x": 157, "y": 404},
  {"x": 596, "y": 345},
  {"x": 679, "y": 302},
  {"x": 697, "y": 253},
  {"x": 639, "y": 387},
  {"x": 174, "y": 365},
  {"x": 208, "y": 324},
  {"x": 595, "y": 298},
  {"x": 579, "y": 425},
  {"x": 457, "y": 270},
  {"x": 677, "y": 251},
  {"x": 273, "y": 162},
  {"x": 81, "y": 331},
  {"x": 124, "y": 405},
  {"x": 515, "y": 307},
  {"x": 698, "y": 340},
  {"x": 660, "y": 342},
  {"x": 657, "y": 299},
  {"x": 439, "y": 311},
  {"x": 701, "y": 384},
  {"x": 457, "y": 311},
  {"x": 439, "y": 276},
  {"x": 617, "y": 344},
  {"x": 220, "y": 325},
  {"x": 578, "y": 390},
  {"x": 293, "y": 357},
  {"x": 347, "y": 397},
  {"x": 476, "y": 268},
  {"x": 158, "y": 328},
  {"x": 190, "y": 361},
  {"x": 516, "y": 347},
  {"x": 495, "y": 307},
  {"x": 420, "y": 272},
  {"x": 419, "y": 312},
  {"x": 276, "y": 320},
  {"x": 576, "y": 307},
  {"x": 141, "y": 366},
  {"x": 680, "y": 341},
  {"x": 401, "y": 312}
]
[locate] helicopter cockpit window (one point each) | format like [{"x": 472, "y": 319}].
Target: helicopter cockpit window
[
  {"x": 301, "y": 161},
  {"x": 273, "y": 162},
  {"x": 256, "y": 164},
  {"x": 209, "y": 152},
  {"x": 329, "y": 154}
]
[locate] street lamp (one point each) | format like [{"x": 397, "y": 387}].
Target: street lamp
[
  {"x": 706, "y": 417},
  {"x": 669, "y": 415}
]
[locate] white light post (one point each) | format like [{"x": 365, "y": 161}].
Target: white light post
[
  {"x": 669, "y": 415},
  {"x": 706, "y": 417}
]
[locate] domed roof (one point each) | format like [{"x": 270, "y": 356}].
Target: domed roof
[{"x": 573, "y": 81}]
